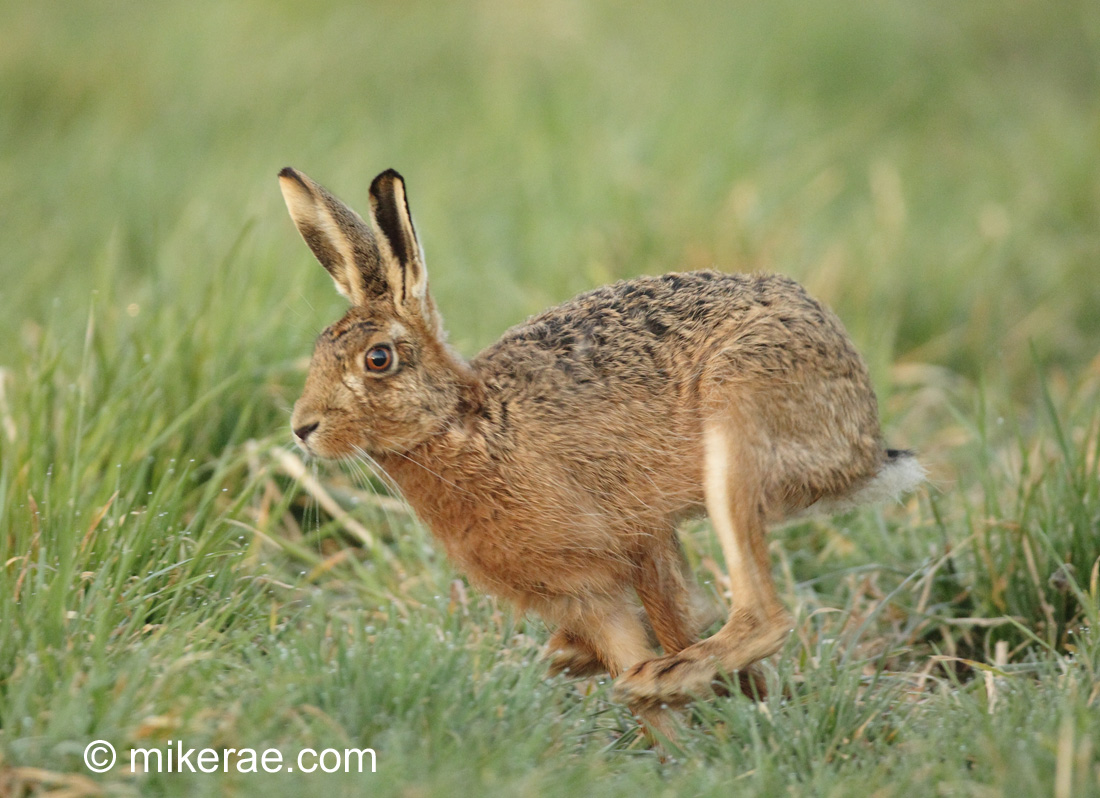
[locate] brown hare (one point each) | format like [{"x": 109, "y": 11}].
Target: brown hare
[{"x": 555, "y": 466}]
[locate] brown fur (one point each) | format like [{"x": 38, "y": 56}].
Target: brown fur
[{"x": 555, "y": 466}]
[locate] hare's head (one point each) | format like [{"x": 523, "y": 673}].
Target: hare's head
[{"x": 381, "y": 379}]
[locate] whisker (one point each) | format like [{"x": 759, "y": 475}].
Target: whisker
[{"x": 435, "y": 474}]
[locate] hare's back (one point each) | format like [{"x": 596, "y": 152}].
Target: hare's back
[{"x": 649, "y": 335}]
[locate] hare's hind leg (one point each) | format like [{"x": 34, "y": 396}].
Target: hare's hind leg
[{"x": 758, "y": 624}]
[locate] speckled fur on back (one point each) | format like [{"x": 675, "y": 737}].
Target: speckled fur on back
[
  {"x": 656, "y": 344},
  {"x": 555, "y": 465}
]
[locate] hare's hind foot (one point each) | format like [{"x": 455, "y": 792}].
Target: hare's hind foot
[{"x": 696, "y": 671}]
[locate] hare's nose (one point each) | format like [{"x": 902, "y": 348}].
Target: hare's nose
[{"x": 303, "y": 432}]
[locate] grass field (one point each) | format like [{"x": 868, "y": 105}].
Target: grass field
[{"x": 931, "y": 170}]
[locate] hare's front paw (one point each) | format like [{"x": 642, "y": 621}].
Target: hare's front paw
[{"x": 569, "y": 655}]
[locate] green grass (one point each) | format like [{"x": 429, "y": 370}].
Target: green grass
[{"x": 930, "y": 170}]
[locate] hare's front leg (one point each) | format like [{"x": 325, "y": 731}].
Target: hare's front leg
[
  {"x": 569, "y": 653},
  {"x": 664, "y": 586},
  {"x": 616, "y": 635},
  {"x": 758, "y": 624},
  {"x": 600, "y": 633},
  {"x": 597, "y": 634},
  {"x": 678, "y": 613}
]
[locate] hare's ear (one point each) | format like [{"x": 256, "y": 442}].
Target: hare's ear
[
  {"x": 397, "y": 243},
  {"x": 341, "y": 240}
]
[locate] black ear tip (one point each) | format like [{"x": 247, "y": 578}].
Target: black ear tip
[
  {"x": 293, "y": 174},
  {"x": 389, "y": 176}
]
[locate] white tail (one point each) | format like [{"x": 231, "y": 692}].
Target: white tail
[{"x": 900, "y": 474}]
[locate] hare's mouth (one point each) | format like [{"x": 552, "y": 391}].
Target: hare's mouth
[{"x": 316, "y": 445}]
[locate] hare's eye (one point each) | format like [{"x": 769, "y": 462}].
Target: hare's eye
[{"x": 379, "y": 358}]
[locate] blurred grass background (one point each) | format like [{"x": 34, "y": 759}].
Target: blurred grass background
[{"x": 929, "y": 169}]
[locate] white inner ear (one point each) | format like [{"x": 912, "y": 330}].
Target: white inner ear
[{"x": 390, "y": 265}]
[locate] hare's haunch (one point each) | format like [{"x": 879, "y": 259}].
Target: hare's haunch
[{"x": 555, "y": 466}]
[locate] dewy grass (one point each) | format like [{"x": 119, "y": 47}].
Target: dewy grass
[{"x": 164, "y": 575}]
